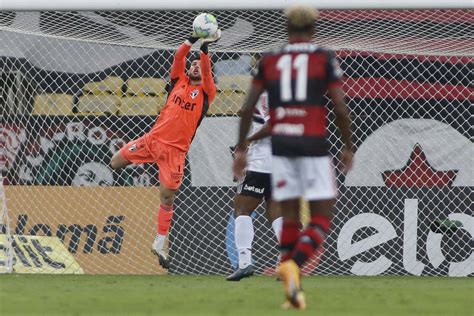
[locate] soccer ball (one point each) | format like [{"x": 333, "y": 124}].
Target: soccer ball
[{"x": 205, "y": 25}]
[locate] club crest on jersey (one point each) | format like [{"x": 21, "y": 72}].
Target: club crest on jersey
[
  {"x": 194, "y": 94},
  {"x": 133, "y": 147}
]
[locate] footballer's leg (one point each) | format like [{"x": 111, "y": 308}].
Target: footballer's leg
[
  {"x": 287, "y": 189},
  {"x": 308, "y": 242},
  {"x": 171, "y": 172},
  {"x": 244, "y": 205},
  {"x": 133, "y": 152},
  {"x": 137, "y": 152},
  {"x": 288, "y": 270},
  {"x": 273, "y": 212},
  {"x": 164, "y": 218},
  {"x": 321, "y": 195},
  {"x": 250, "y": 193},
  {"x": 312, "y": 237},
  {"x": 118, "y": 161}
]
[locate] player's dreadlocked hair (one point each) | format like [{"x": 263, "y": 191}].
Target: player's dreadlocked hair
[{"x": 301, "y": 19}]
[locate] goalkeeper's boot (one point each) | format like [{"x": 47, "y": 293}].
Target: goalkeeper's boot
[
  {"x": 162, "y": 257},
  {"x": 241, "y": 273},
  {"x": 289, "y": 273}
]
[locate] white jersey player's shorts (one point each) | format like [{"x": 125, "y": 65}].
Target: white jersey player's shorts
[{"x": 313, "y": 178}]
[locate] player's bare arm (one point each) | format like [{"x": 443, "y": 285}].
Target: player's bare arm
[
  {"x": 343, "y": 122},
  {"x": 264, "y": 132}
]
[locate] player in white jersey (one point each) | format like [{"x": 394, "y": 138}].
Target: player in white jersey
[{"x": 253, "y": 188}]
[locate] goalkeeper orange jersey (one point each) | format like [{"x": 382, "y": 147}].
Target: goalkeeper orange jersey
[{"x": 186, "y": 104}]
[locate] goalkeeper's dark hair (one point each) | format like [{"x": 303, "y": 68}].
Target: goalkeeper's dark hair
[
  {"x": 192, "y": 57},
  {"x": 301, "y": 19}
]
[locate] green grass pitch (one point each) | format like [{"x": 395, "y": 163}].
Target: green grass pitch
[{"x": 212, "y": 295}]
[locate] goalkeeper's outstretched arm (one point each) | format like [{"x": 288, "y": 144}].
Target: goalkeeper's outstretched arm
[
  {"x": 206, "y": 74},
  {"x": 206, "y": 71},
  {"x": 178, "y": 68}
]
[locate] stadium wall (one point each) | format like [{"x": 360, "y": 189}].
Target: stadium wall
[{"x": 386, "y": 220}]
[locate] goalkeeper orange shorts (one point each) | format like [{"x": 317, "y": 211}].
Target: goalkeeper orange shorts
[{"x": 170, "y": 160}]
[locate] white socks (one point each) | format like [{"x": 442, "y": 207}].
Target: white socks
[
  {"x": 159, "y": 242},
  {"x": 277, "y": 226},
  {"x": 243, "y": 239}
]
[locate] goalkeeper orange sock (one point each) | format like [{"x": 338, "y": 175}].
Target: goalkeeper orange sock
[{"x": 165, "y": 215}]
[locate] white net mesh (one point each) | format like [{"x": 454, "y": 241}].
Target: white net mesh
[{"x": 76, "y": 85}]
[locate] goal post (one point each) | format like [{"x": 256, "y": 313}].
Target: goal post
[
  {"x": 78, "y": 79},
  {"x": 6, "y": 249}
]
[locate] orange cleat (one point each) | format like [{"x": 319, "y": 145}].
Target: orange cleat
[{"x": 289, "y": 273}]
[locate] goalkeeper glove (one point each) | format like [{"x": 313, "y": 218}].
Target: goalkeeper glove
[
  {"x": 192, "y": 39},
  {"x": 208, "y": 40}
]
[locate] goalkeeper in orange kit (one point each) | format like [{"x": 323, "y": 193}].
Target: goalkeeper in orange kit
[{"x": 189, "y": 96}]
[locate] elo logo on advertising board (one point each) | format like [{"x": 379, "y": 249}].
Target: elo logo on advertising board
[{"x": 426, "y": 179}]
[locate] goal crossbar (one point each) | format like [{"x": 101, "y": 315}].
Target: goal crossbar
[{"x": 118, "y": 5}]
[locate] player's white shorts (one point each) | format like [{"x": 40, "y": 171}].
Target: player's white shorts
[{"x": 313, "y": 178}]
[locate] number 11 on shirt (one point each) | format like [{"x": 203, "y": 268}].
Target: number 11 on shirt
[{"x": 285, "y": 64}]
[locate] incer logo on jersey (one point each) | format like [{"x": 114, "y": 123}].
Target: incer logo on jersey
[{"x": 183, "y": 104}]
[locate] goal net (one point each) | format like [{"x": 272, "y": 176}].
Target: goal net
[{"x": 75, "y": 86}]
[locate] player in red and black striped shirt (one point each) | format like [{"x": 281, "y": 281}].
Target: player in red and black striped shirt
[{"x": 297, "y": 76}]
